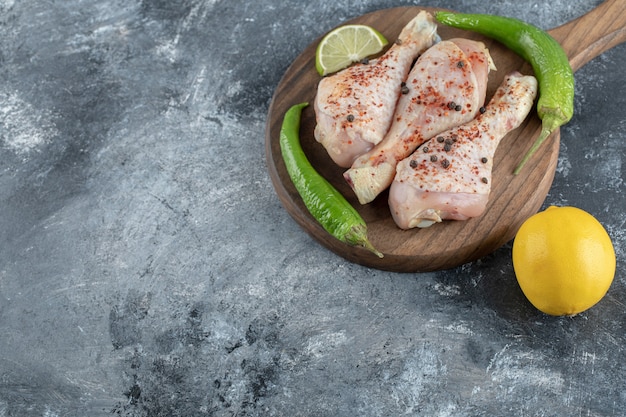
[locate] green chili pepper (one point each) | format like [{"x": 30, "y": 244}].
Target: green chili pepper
[
  {"x": 549, "y": 61},
  {"x": 323, "y": 201}
]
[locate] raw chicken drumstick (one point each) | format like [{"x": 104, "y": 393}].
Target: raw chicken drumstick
[
  {"x": 449, "y": 177},
  {"x": 445, "y": 88},
  {"x": 354, "y": 107}
]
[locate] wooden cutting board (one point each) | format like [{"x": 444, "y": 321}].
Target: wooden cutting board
[{"x": 513, "y": 198}]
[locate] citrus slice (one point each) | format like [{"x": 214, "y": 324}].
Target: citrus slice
[{"x": 345, "y": 45}]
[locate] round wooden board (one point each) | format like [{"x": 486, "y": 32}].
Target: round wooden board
[{"x": 445, "y": 245}]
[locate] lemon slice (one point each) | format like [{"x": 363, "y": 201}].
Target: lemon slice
[{"x": 345, "y": 45}]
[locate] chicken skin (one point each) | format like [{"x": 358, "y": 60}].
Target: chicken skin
[
  {"x": 354, "y": 107},
  {"x": 445, "y": 88},
  {"x": 449, "y": 176}
]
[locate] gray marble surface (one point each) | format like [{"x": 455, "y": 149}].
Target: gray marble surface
[{"x": 147, "y": 267}]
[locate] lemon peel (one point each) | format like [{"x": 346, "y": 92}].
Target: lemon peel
[{"x": 564, "y": 260}]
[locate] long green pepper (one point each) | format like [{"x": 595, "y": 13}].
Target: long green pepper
[
  {"x": 324, "y": 202},
  {"x": 555, "y": 77}
]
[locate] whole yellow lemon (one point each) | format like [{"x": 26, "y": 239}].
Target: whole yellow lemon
[{"x": 564, "y": 260}]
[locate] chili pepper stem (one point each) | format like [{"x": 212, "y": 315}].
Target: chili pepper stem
[
  {"x": 549, "y": 61},
  {"x": 357, "y": 235},
  {"x": 549, "y": 125}
]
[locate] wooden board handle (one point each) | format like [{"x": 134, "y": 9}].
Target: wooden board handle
[{"x": 593, "y": 33}]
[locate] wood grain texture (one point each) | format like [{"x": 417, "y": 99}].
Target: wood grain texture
[{"x": 513, "y": 198}]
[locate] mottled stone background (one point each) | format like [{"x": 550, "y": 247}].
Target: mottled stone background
[{"x": 147, "y": 267}]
